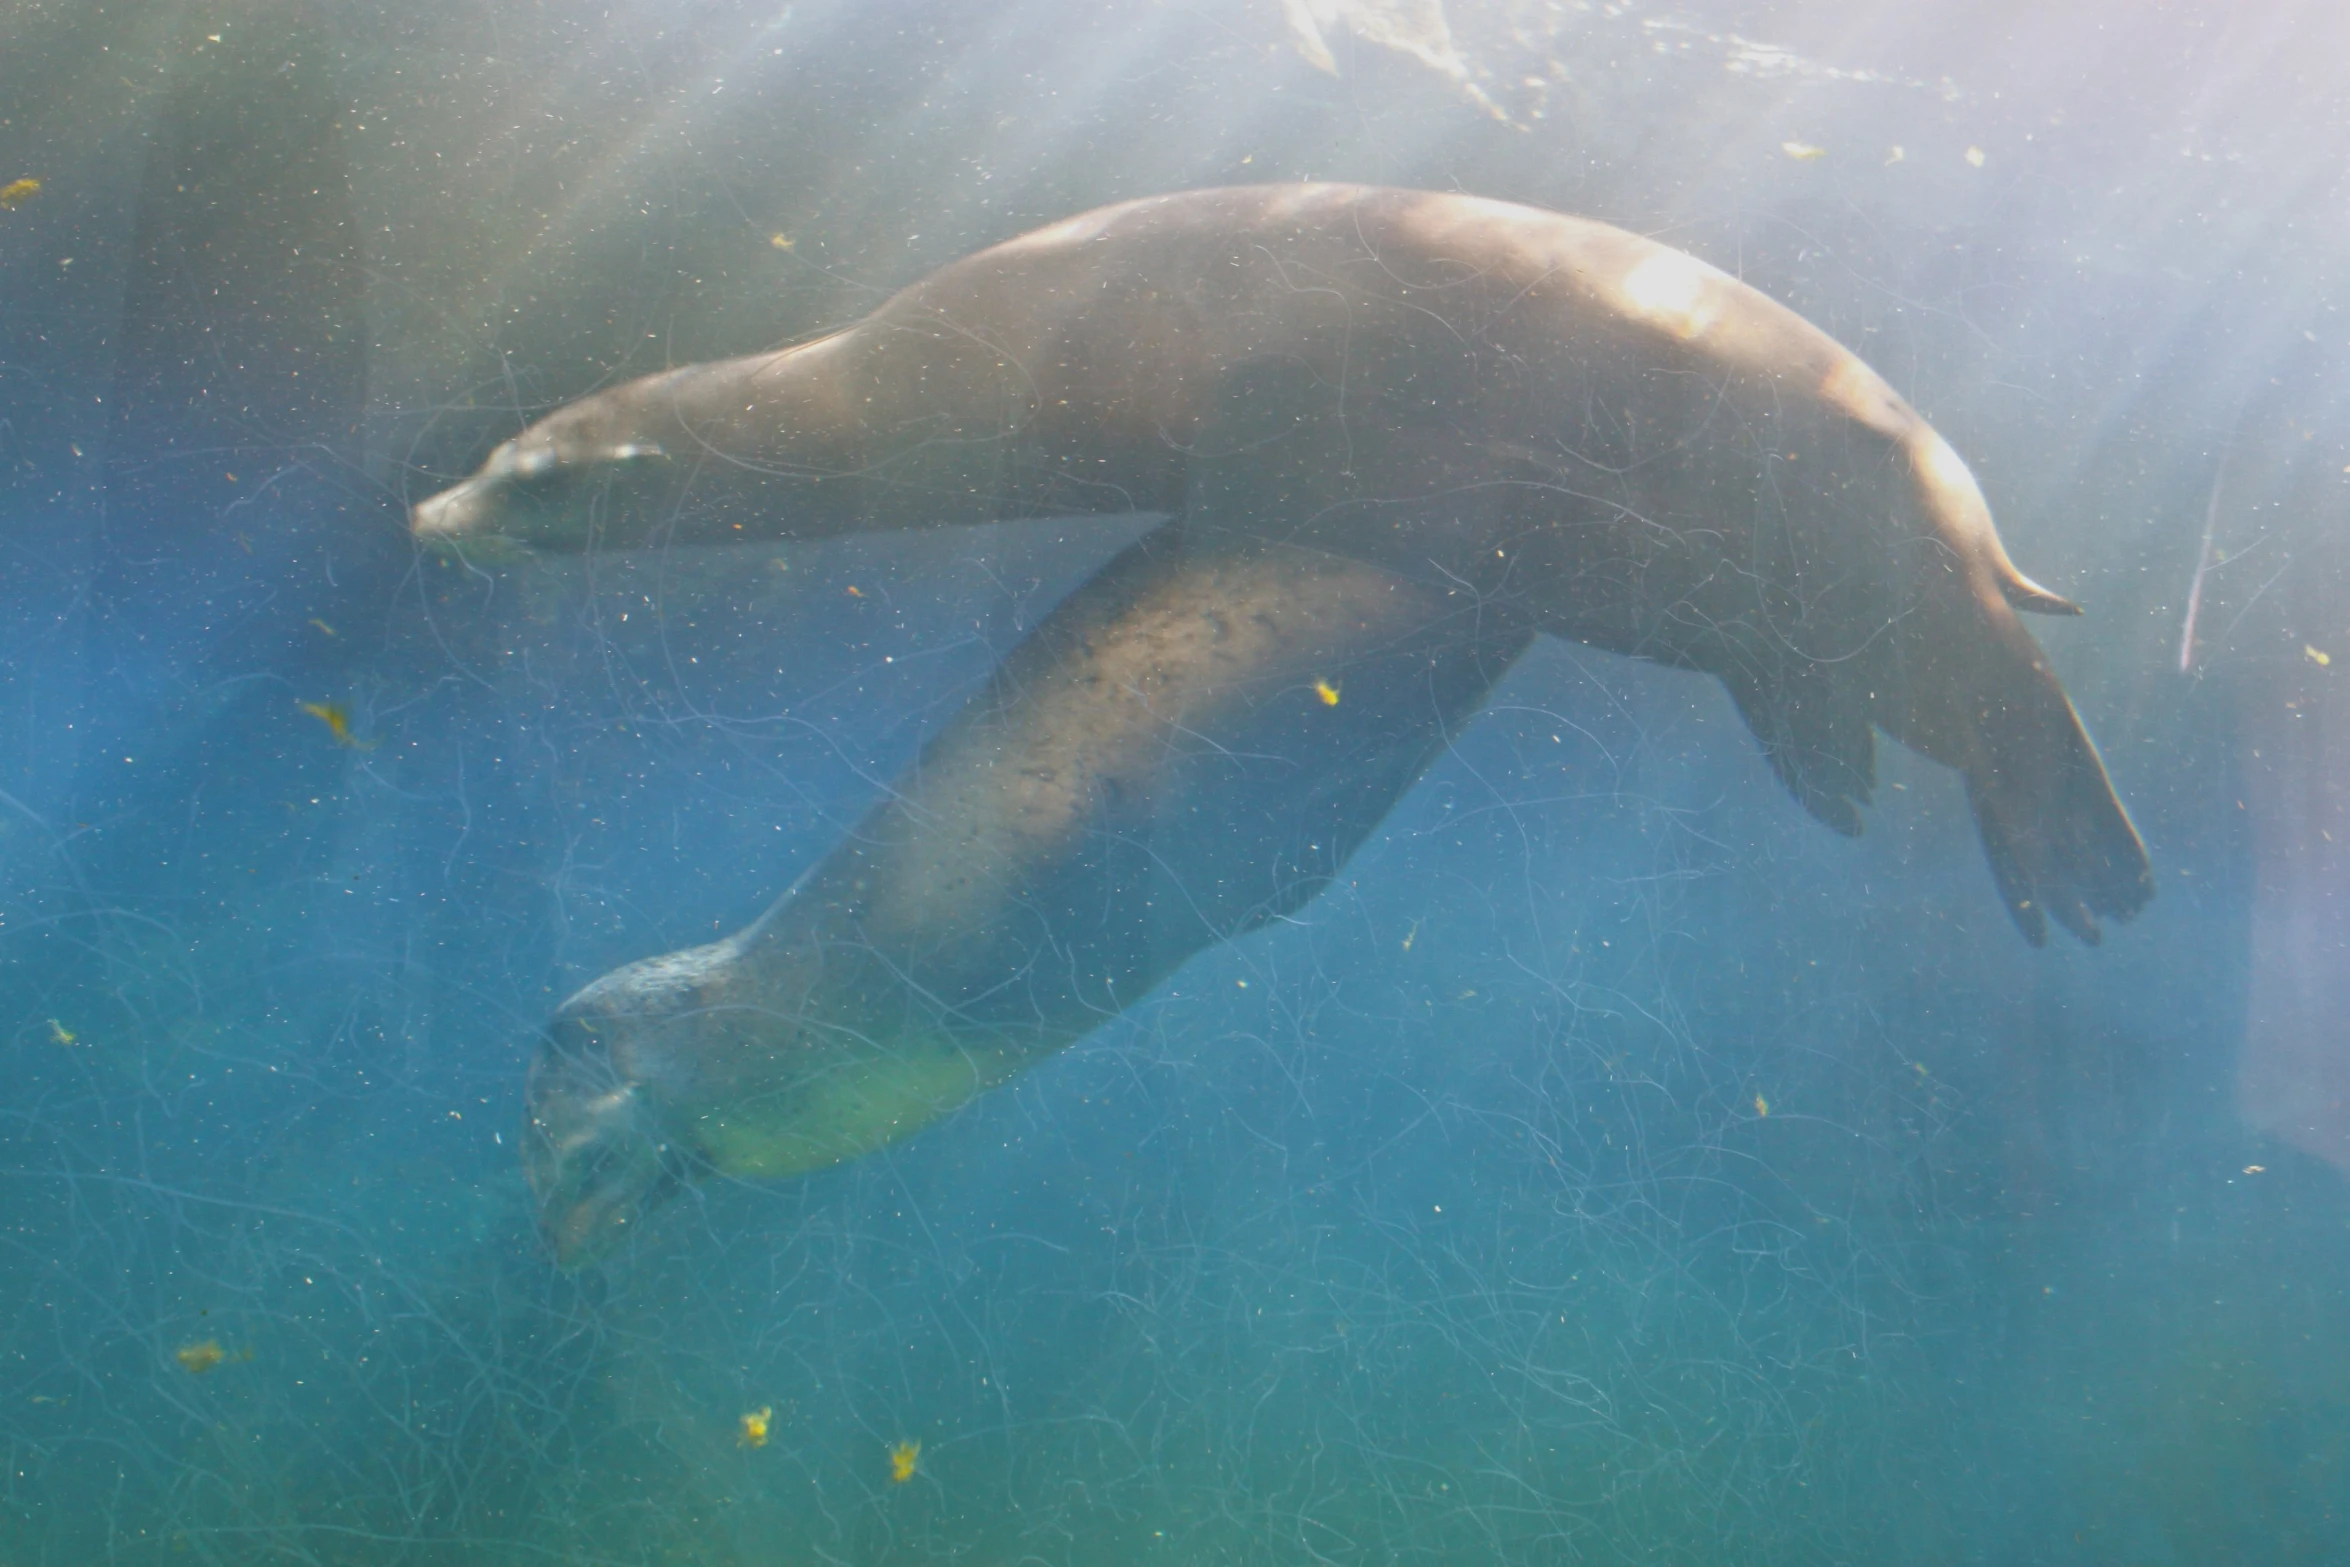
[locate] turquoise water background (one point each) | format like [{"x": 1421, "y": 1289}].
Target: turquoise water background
[{"x": 1613, "y": 1167}]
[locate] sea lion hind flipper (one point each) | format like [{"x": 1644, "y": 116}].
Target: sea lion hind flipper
[
  {"x": 1817, "y": 739},
  {"x": 2058, "y": 841},
  {"x": 2015, "y": 884}
]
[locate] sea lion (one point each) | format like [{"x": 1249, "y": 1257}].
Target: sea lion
[{"x": 1397, "y": 434}]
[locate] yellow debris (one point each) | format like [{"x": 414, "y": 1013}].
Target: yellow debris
[
  {"x": 200, "y": 1358},
  {"x": 752, "y": 1431},
  {"x": 338, "y": 722}
]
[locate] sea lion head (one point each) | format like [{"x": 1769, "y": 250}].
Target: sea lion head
[
  {"x": 700, "y": 1064},
  {"x": 594, "y": 1147},
  {"x": 541, "y": 487},
  {"x": 612, "y": 1095}
]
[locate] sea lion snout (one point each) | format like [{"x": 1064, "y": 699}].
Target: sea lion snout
[
  {"x": 482, "y": 503},
  {"x": 458, "y": 510}
]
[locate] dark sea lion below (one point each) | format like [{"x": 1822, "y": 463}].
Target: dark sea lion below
[{"x": 1399, "y": 434}]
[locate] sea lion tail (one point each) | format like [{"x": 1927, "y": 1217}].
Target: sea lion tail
[
  {"x": 1956, "y": 512},
  {"x": 2025, "y": 594}
]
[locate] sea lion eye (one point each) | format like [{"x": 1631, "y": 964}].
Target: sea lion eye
[{"x": 569, "y": 1038}]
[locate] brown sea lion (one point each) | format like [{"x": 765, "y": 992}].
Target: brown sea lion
[{"x": 1398, "y": 434}]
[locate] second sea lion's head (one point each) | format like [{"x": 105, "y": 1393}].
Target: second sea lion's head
[
  {"x": 594, "y": 1149},
  {"x": 693, "y": 1065}
]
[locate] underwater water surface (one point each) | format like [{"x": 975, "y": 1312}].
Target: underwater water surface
[{"x": 1612, "y": 1165}]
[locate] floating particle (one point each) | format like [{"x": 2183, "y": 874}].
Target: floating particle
[
  {"x": 902, "y": 1459},
  {"x": 338, "y": 722},
  {"x": 323, "y": 626},
  {"x": 17, "y": 192},
  {"x": 1802, "y": 151},
  {"x": 781, "y": 241},
  {"x": 1897, "y": 154},
  {"x": 751, "y": 1429},
  {"x": 1411, "y": 936},
  {"x": 2256, "y": 1169},
  {"x": 1974, "y": 155},
  {"x": 1327, "y": 692},
  {"x": 200, "y": 1358},
  {"x": 60, "y": 1034},
  {"x": 2318, "y": 656},
  {"x": 1762, "y": 1106}
]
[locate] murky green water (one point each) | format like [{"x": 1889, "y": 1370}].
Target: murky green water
[{"x": 1611, "y": 1165}]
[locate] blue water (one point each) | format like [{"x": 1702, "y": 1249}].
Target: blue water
[{"x": 1612, "y": 1167}]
